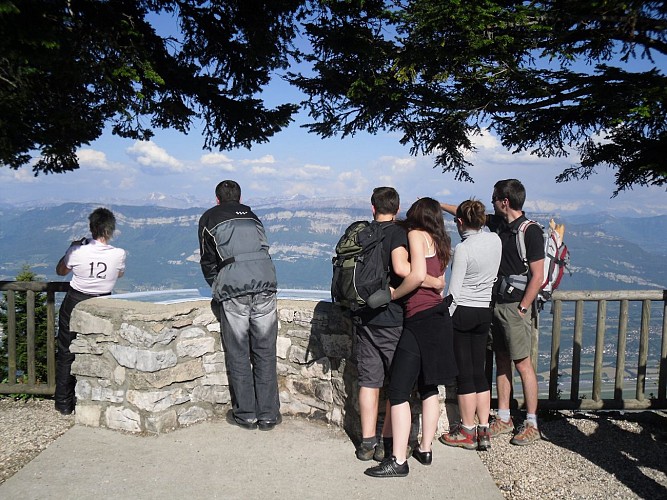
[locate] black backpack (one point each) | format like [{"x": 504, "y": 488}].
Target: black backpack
[{"x": 360, "y": 272}]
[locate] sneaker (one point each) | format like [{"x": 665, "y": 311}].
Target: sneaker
[
  {"x": 527, "y": 434},
  {"x": 483, "y": 438},
  {"x": 461, "y": 437},
  {"x": 388, "y": 468},
  {"x": 365, "y": 453},
  {"x": 499, "y": 427}
]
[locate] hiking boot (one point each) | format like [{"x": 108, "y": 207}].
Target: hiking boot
[
  {"x": 499, "y": 427},
  {"x": 483, "y": 438},
  {"x": 365, "y": 453},
  {"x": 388, "y": 468},
  {"x": 461, "y": 437},
  {"x": 527, "y": 434},
  {"x": 381, "y": 452}
]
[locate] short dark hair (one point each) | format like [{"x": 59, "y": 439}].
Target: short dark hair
[
  {"x": 228, "y": 191},
  {"x": 472, "y": 213},
  {"x": 102, "y": 223},
  {"x": 385, "y": 200},
  {"x": 513, "y": 190}
]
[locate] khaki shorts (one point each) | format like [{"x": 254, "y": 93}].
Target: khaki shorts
[{"x": 511, "y": 333}]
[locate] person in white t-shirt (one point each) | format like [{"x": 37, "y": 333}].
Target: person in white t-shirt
[{"x": 96, "y": 266}]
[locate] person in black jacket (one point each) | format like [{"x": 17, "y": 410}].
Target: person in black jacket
[{"x": 236, "y": 264}]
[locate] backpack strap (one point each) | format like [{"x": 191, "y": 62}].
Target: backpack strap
[{"x": 521, "y": 241}]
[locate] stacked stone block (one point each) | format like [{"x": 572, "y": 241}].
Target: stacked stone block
[{"x": 151, "y": 368}]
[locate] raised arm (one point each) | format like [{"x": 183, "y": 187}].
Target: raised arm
[
  {"x": 449, "y": 208},
  {"x": 61, "y": 267}
]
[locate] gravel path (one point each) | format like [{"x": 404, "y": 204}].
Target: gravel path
[
  {"x": 27, "y": 428},
  {"x": 582, "y": 456}
]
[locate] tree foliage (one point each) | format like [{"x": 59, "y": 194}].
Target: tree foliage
[
  {"x": 68, "y": 68},
  {"x": 548, "y": 77},
  {"x": 21, "y": 312},
  {"x": 553, "y": 77}
]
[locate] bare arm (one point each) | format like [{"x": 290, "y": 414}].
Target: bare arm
[
  {"x": 400, "y": 262},
  {"x": 449, "y": 208},
  {"x": 435, "y": 282},
  {"x": 401, "y": 265},
  {"x": 61, "y": 268},
  {"x": 417, "y": 273},
  {"x": 533, "y": 287}
]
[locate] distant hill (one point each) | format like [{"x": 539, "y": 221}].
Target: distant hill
[{"x": 608, "y": 252}]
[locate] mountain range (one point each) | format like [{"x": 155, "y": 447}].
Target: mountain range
[{"x": 608, "y": 251}]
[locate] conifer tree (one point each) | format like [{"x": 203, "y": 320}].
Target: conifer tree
[{"x": 20, "y": 305}]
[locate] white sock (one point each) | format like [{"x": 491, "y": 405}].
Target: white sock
[
  {"x": 532, "y": 418},
  {"x": 504, "y": 415}
]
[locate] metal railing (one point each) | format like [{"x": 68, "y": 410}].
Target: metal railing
[{"x": 30, "y": 288}]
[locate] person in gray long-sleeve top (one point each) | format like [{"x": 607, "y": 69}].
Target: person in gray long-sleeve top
[{"x": 474, "y": 270}]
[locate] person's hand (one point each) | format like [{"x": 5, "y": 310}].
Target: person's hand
[
  {"x": 441, "y": 285},
  {"x": 392, "y": 290}
]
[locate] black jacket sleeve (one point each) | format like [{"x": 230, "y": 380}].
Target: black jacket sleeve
[{"x": 207, "y": 251}]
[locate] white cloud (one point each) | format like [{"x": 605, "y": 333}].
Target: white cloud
[
  {"x": 22, "y": 175},
  {"x": 258, "y": 186},
  {"x": 218, "y": 160},
  {"x": 96, "y": 160},
  {"x": 309, "y": 171},
  {"x": 149, "y": 154},
  {"x": 127, "y": 183},
  {"x": 485, "y": 140},
  {"x": 399, "y": 165},
  {"x": 263, "y": 171},
  {"x": 266, "y": 159},
  {"x": 352, "y": 182}
]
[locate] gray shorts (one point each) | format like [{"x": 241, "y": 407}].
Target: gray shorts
[
  {"x": 375, "y": 351},
  {"x": 511, "y": 333}
]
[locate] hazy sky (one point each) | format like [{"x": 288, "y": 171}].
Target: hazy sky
[{"x": 295, "y": 162}]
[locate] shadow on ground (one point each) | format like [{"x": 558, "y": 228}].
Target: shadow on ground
[{"x": 617, "y": 447}]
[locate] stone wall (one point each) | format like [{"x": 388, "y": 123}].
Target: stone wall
[{"x": 145, "y": 367}]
